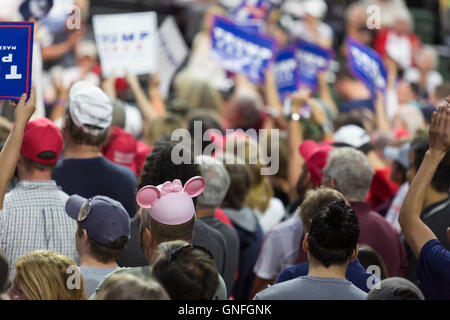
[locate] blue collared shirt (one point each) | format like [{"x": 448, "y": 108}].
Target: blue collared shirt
[{"x": 34, "y": 218}]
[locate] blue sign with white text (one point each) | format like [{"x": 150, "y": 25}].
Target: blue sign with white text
[
  {"x": 241, "y": 51},
  {"x": 16, "y": 54},
  {"x": 285, "y": 71},
  {"x": 367, "y": 66},
  {"x": 311, "y": 59}
]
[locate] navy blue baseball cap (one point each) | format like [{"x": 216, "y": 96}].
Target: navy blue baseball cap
[{"x": 103, "y": 218}]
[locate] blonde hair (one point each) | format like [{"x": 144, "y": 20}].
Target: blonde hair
[
  {"x": 261, "y": 190},
  {"x": 162, "y": 126},
  {"x": 197, "y": 91},
  {"x": 43, "y": 275}
]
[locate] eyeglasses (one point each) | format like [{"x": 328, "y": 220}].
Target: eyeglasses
[
  {"x": 173, "y": 253},
  {"x": 84, "y": 211}
]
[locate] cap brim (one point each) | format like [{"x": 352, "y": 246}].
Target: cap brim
[
  {"x": 391, "y": 153},
  {"x": 73, "y": 205}
]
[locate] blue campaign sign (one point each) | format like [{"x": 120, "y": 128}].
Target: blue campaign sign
[
  {"x": 241, "y": 51},
  {"x": 285, "y": 71},
  {"x": 16, "y": 54},
  {"x": 311, "y": 59},
  {"x": 367, "y": 66}
]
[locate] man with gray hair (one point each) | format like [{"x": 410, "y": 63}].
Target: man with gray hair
[
  {"x": 348, "y": 171},
  {"x": 217, "y": 184}
]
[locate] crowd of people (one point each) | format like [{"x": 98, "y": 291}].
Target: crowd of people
[{"x": 94, "y": 206}]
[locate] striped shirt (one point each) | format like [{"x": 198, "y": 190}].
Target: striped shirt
[{"x": 34, "y": 218}]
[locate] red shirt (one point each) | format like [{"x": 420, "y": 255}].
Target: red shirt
[{"x": 381, "y": 236}]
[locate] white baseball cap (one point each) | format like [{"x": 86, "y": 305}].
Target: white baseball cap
[
  {"x": 315, "y": 8},
  {"x": 90, "y": 108},
  {"x": 352, "y": 135}
]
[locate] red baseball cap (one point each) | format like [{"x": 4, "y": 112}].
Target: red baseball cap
[
  {"x": 142, "y": 151},
  {"x": 316, "y": 156},
  {"x": 121, "y": 148},
  {"x": 41, "y": 135}
]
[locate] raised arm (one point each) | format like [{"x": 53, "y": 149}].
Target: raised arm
[
  {"x": 417, "y": 234},
  {"x": 154, "y": 93},
  {"x": 380, "y": 113},
  {"x": 142, "y": 101},
  {"x": 295, "y": 139},
  {"x": 11, "y": 150}
]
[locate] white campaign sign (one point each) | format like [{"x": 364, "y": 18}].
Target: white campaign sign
[
  {"x": 126, "y": 42},
  {"x": 171, "y": 54}
]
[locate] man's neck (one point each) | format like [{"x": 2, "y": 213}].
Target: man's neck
[
  {"x": 432, "y": 196},
  {"x": 81, "y": 151},
  {"x": 333, "y": 271},
  {"x": 39, "y": 176},
  {"x": 204, "y": 212},
  {"x": 88, "y": 261}
]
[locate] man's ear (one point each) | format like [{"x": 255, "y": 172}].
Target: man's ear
[
  {"x": 85, "y": 236},
  {"x": 147, "y": 238},
  {"x": 305, "y": 244},
  {"x": 333, "y": 183},
  {"x": 355, "y": 253}
]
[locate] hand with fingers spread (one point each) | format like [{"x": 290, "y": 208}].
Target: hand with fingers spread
[{"x": 439, "y": 133}]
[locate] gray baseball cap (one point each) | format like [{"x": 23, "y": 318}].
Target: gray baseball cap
[
  {"x": 396, "y": 288},
  {"x": 400, "y": 155}
]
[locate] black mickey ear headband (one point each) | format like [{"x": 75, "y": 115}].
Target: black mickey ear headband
[{"x": 27, "y": 14}]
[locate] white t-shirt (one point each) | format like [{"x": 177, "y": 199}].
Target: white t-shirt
[
  {"x": 272, "y": 216},
  {"x": 434, "y": 78},
  {"x": 280, "y": 248}
]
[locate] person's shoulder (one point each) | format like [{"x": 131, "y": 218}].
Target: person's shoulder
[
  {"x": 356, "y": 293},
  {"x": 434, "y": 249},
  {"x": 280, "y": 290},
  {"x": 119, "y": 168},
  {"x": 293, "y": 272},
  {"x": 276, "y": 205},
  {"x": 206, "y": 229},
  {"x": 292, "y": 224}
]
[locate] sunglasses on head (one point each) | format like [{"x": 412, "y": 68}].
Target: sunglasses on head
[{"x": 174, "y": 252}]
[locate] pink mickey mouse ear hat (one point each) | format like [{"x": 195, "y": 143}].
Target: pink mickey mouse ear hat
[{"x": 170, "y": 203}]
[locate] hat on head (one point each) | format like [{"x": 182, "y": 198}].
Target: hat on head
[
  {"x": 90, "y": 108},
  {"x": 315, "y": 8},
  {"x": 170, "y": 203},
  {"x": 41, "y": 135},
  {"x": 400, "y": 155},
  {"x": 35, "y": 9},
  {"x": 316, "y": 156},
  {"x": 103, "y": 218},
  {"x": 352, "y": 135},
  {"x": 121, "y": 148},
  {"x": 396, "y": 288}
]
